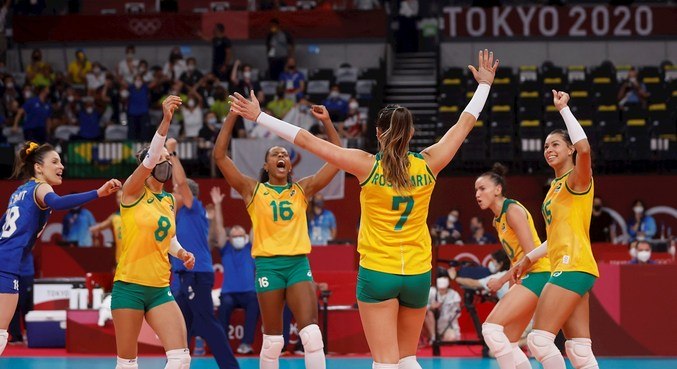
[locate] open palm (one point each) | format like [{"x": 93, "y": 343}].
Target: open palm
[{"x": 486, "y": 70}]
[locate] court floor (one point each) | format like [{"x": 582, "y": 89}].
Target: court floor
[{"x": 297, "y": 363}]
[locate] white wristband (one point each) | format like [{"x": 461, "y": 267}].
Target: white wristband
[
  {"x": 576, "y": 132},
  {"x": 154, "y": 151},
  {"x": 538, "y": 252},
  {"x": 174, "y": 247},
  {"x": 279, "y": 127},
  {"x": 476, "y": 104}
]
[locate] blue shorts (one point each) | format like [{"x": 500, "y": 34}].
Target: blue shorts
[{"x": 9, "y": 283}]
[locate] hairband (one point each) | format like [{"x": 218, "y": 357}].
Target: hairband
[{"x": 31, "y": 147}]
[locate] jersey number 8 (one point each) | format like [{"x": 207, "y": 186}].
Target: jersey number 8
[{"x": 10, "y": 222}]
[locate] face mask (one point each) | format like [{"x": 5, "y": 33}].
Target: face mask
[
  {"x": 142, "y": 70},
  {"x": 303, "y": 109},
  {"x": 638, "y": 209},
  {"x": 70, "y": 98},
  {"x": 644, "y": 256},
  {"x": 89, "y": 110},
  {"x": 319, "y": 203},
  {"x": 9, "y": 85},
  {"x": 354, "y": 105},
  {"x": 474, "y": 229},
  {"x": 597, "y": 207},
  {"x": 130, "y": 56},
  {"x": 633, "y": 252},
  {"x": 452, "y": 219},
  {"x": 124, "y": 94},
  {"x": 211, "y": 120},
  {"x": 442, "y": 283},
  {"x": 96, "y": 70},
  {"x": 191, "y": 103},
  {"x": 493, "y": 268},
  {"x": 238, "y": 242},
  {"x": 162, "y": 172},
  {"x": 28, "y": 94},
  {"x": 138, "y": 84},
  {"x": 190, "y": 67},
  {"x": 247, "y": 75},
  {"x": 334, "y": 94}
]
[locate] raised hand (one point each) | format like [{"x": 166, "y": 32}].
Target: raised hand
[
  {"x": 320, "y": 112},
  {"x": 517, "y": 270},
  {"x": 245, "y": 108},
  {"x": 217, "y": 196},
  {"x": 487, "y": 67},
  {"x": 560, "y": 99},
  {"x": 110, "y": 187},
  {"x": 171, "y": 145},
  {"x": 170, "y": 105}
]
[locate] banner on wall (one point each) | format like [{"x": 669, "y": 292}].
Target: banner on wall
[
  {"x": 560, "y": 22},
  {"x": 248, "y": 156}
]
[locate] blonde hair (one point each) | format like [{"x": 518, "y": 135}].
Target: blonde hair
[{"x": 396, "y": 124}]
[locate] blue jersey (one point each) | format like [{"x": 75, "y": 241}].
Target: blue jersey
[
  {"x": 192, "y": 230},
  {"x": 238, "y": 269},
  {"x": 27, "y": 267},
  {"x": 20, "y": 226}
]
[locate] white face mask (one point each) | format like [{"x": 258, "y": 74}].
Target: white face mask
[
  {"x": 442, "y": 283},
  {"x": 124, "y": 94},
  {"x": 28, "y": 94},
  {"x": 247, "y": 75},
  {"x": 353, "y": 105},
  {"x": 334, "y": 94},
  {"x": 89, "y": 110},
  {"x": 452, "y": 219},
  {"x": 493, "y": 267},
  {"x": 191, "y": 103},
  {"x": 70, "y": 98},
  {"x": 238, "y": 242},
  {"x": 633, "y": 253},
  {"x": 138, "y": 83},
  {"x": 638, "y": 209},
  {"x": 644, "y": 256}
]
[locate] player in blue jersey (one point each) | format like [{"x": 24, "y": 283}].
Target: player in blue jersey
[
  {"x": 194, "y": 294},
  {"x": 27, "y": 213}
]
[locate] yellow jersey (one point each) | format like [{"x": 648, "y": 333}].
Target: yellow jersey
[
  {"x": 147, "y": 227},
  {"x": 510, "y": 241},
  {"x": 567, "y": 222},
  {"x": 116, "y": 223},
  {"x": 279, "y": 221},
  {"x": 394, "y": 236}
]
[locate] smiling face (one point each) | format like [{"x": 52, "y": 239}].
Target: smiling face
[
  {"x": 486, "y": 192},
  {"x": 50, "y": 170},
  {"x": 557, "y": 150},
  {"x": 278, "y": 164}
]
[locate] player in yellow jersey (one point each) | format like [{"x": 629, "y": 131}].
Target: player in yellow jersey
[
  {"x": 141, "y": 287},
  {"x": 515, "y": 227},
  {"x": 394, "y": 241},
  {"x": 567, "y": 209},
  {"x": 277, "y": 207},
  {"x": 114, "y": 223}
]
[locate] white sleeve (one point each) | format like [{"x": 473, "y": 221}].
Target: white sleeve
[{"x": 174, "y": 247}]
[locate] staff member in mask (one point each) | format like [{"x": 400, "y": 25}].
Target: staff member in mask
[
  {"x": 641, "y": 253},
  {"x": 238, "y": 289},
  {"x": 498, "y": 266},
  {"x": 444, "y": 307}
]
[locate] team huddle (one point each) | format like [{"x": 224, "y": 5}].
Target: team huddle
[{"x": 551, "y": 279}]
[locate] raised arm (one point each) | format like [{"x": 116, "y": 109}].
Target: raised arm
[
  {"x": 316, "y": 182},
  {"x": 233, "y": 73},
  {"x": 181, "y": 192},
  {"x": 243, "y": 184},
  {"x": 133, "y": 186},
  {"x": 217, "y": 233},
  {"x": 356, "y": 162},
  {"x": 440, "y": 154},
  {"x": 46, "y": 197},
  {"x": 580, "y": 178}
]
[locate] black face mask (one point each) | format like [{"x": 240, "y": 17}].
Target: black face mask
[
  {"x": 597, "y": 207},
  {"x": 162, "y": 172}
]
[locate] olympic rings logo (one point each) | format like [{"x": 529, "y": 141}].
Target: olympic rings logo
[{"x": 145, "y": 26}]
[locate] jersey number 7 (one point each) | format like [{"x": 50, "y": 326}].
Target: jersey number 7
[{"x": 399, "y": 200}]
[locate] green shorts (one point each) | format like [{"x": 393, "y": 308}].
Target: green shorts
[
  {"x": 276, "y": 272},
  {"x": 579, "y": 282},
  {"x": 535, "y": 282},
  {"x": 135, "y": 296},
  {"x": 410, "y": 290}
]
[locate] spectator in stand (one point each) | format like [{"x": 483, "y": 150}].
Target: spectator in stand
[
  {"x": 192, "y": 75},
  {"x": 96, "y": 78},
  {"x": 293, "y": 81},
  {"x": 144, "y": 71},
  {"x": 70, "y": 105},
  {"x": 221, "y": 49},
  {"x": 175, "y": 66},
  {"x": 90, "y": 128},
  {"x": 632, "y": 92},
  {"x": 138, "y": 117},
  {"x": 444, "y": 306},
  {"x": 338, "y": 108},
  {"x": 366, "y": 4},
  {"x": 641, "y": 226},
  {"x": 243, "y": 82},
  {"x": 279, "y": 45},
  {"x": 11, "y": 94},
  {"x": 601, "y": 223},
  {"x": 37, "y": 111},
  {"x": 642, "y": 253},
  {"x": 281, "y": 105},
  {"x": 354, "y": 126},
  {"x": 321, "y": 222},
  {"x": 38, "y": 72},
  {"x": 407, "y": 34},
  {"x": 499, "y": 264},
  {"x": 76, "y": 224},
  {"x": 209, "y": 129},
  {"x": 78, "y": 69},
  {"x": 221, "y": 104},
  {"x": 479, "y": 234},
  {"x": 300, "y": 114},
  {"x": 128, "y": 67},
  {"x": 192, "y": 114},
  {"x": 448, "y": 229},
  {"x": 58, "y": 88}
]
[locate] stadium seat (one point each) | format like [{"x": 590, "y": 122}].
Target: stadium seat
[
  {"x": 474, "y": 147},
  {"x": 531, "y": 139},
  {"x": 315, "y": 87},
  {"x": 364, "y": 88},
  {"x": 115, "y": 132},
  {"x": 529, "y": 106},
  {"x": 13, "y": 138},
  {"x": 346, "y": 74},
  {"x": 64, "y": 133},
  {"x": 637, "y": 139},
  {"x": 501, "y": 148}
]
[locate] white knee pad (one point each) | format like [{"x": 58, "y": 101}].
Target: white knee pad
[
  {"x": 376, "y": 365},
  {"x": 271, "y": 348},
  {"x": 497, "y": 341},
  {"x": 579, "y": 352},
  {"x": 311, "y": 337},
  {"x": 178, "y": 359},
  {"x": 127, "y": 363},
  {"x": 3, "y": 340},
  {"x": 542, "y": 344},
  {"x": 408, "y": 362}
]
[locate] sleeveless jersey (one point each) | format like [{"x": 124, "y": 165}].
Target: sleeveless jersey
[
  {"x": 20, "y": 226},
  {"x": 510, "y": 241},
  {"x": 567, "y": 219},
  {"x": 278, "y": 215},
  {"x": 394, "y": 236},
  {"x": 116, "y": 222},
  {"x": 147, "y": 228}
]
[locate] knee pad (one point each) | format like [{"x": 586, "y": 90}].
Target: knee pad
[
  {"x": 375, "y": 365},
  {"x": 408, "y": 362},
  {"x": 3, "y": 340},
  {"x": 311, "y": 337},
  {"x": 579, "y": 352},
  {"x": 127, "y": 363},
  {"x": 542, "y": 344},
  {"x": 178, "y": 359},
  {"x": 497, "y": 341},
  {"x": 272, "y": 347}
]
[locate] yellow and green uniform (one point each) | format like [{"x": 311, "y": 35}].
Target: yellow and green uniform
[
  {"x": 567, "y": 217},
  {"x": 142, "y": 275},
  {"x": 280, "y": 240},
  {"x": 116, "y": 222},
  {"x": 538, "y": 274},
  {"x": 394, "y": 239}
]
